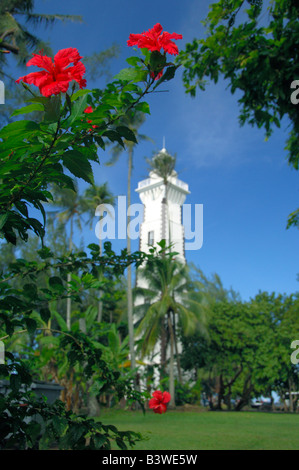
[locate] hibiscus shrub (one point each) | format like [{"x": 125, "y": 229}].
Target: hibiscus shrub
[
  {"x": 75, "y": 123},
  {"x": 159, "y": 401}
]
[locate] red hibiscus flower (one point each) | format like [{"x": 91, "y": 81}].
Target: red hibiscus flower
[
  {"x": 158, "y": 403},
  {"x": 89, "y": 110},
  {"x": 57, "y": 75},
  {"x": 155, "y": 40}
]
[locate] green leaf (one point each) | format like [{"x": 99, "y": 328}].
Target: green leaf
[
  {"x": 121, "y": 443},
  {"x": 29, "y": 109},
  {"x": 99, "y": 440},
  {"x": 77, "y": 110},
  {"x": 114, "y": 137},
  {"x": 45, "y": 314},
  {"x": 30, "y": 325},
  {"x": 15, "y": 382},
  {"x": 17, "y": 128},
  {"x": 127, "y": 133},
  {"x": 60, "y": 424},
  {"x": 143, "y": 107},
  {"x": 30, "y": 290},
  {"x": 157, "y": 60},
  {"x": 134, "y": 60},
  {"x": 132, "y": 75},
  {"x": 33, "y": 431},
  {"x": 168, "y": 75},
  {"x": 68, "y": 102},
  {"x": 79, "y": 93},
  {"x": 94, "y": 247},
  {"x": 75, "y": 432},
  {"x": 3, "y": 219},
  {"x": 55, "y": 282},
  {"x": 45, "y": 253},
  {"x": 52, "y": 109},
  {"x": 60, "y": 320},
  {"x": 113, "y": 342},
  {"x": 37, "y": 99},
  {"x": 78, "y": 165}
]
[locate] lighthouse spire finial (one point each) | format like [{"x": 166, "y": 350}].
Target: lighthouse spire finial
[{"x": 163, "y": 149}]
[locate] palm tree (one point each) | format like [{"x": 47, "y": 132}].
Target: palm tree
[
  {"x": 133, "y": 120},
  {"x": 69, "y": 210},
  {"x": 97, "y": 198},
  {"x": 163, "y": 164},
  {"x": 14, "y": 36},
  {"x": 169, "y": 300}
]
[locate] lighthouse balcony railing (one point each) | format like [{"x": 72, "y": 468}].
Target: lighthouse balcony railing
[{"x": 176, "y": 182}]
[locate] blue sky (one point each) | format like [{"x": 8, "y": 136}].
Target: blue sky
[{"x": 244, "y": 183}]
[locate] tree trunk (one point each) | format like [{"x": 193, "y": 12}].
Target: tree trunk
[
  {"x": 291, "y": 401},
  {"x": 69, "y": 300},
  {"x": 100, "y": 304},
  {"x": 177, "y": 352},
  {"x": 227, "y": 399},
  {"x": 219, "y": 391},
  {"x": 247, "y": 389},
  {"x": 163, "y": 344},
  {"x": 129, "y": 273},
  {"x": 171, "y": 365}
]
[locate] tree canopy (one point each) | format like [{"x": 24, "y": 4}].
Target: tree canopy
[{"x": 254, "y": 45}]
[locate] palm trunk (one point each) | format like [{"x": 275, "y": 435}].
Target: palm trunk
[
  {"x": 171, "y": 365},
  {"x": 163, "y": 346},
  {"x": 129, "y": 274},
  {"x": 69, "y": 300},
  {"x": 100, "y": 304},
  {"x": 177, "y": 352}
]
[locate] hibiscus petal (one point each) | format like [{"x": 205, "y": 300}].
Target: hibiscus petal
[
  {"x": 158, "y": 395},
  {"x": 153, "y": 403},
  {"x": 41, "y": 61},
  {"x": 154, "y": 40},
  {"x": 171, "y": 48},
  {"x": 166, "y": 397},
  {"x": 54, "y": 88},
  {"x": 157, "y": 29},
  {"x": 133, "y": 39},
  {"x": 173, "y": 35},
  {"x": 64, "y": 57},
  {"x": 56, "y": 77},
  {"x": 76, "y": 72},
  {"x": 160, "y": 409},
  {"x": 35, "y": 78}
]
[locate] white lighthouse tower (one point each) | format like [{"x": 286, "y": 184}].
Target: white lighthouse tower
[{"x": 162, "y": 198}]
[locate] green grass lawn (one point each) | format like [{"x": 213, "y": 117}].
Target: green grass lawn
[{"x": 177, "y": 430}]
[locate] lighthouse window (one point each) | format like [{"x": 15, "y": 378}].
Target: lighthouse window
[{"x": 150, "y": 237}]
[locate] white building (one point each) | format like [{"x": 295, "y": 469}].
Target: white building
[{"x": 161, "y": 220}]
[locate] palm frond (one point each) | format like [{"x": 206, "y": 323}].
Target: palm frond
[{"x": 38, "y": 18}]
